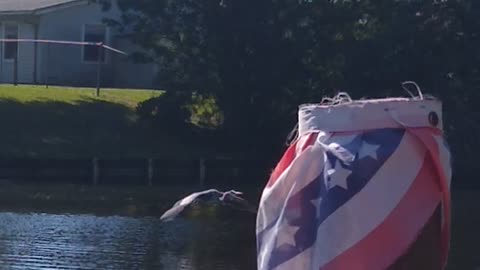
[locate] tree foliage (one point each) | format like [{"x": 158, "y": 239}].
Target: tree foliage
[{"x": 260, "y": 59}]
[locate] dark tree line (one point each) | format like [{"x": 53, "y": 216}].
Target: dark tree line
[{"x": 260, "y": 59}]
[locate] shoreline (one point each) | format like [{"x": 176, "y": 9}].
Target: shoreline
[{"x": 126, "y": 200}]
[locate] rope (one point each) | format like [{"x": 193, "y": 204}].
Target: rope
[
  {"x": 420, "y": 94},
  {"x": 292, "y": 136},
  {"x": 340, "y": 98}
]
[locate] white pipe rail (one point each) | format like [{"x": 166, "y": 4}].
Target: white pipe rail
[{"x": 65, "y": 42}]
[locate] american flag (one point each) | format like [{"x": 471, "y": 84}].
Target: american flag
[{"x": 353, "y": 200}]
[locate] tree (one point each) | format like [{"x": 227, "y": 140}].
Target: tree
[
  {"x": 229, "y": 49},
  {"x": 260, "y": 59}
]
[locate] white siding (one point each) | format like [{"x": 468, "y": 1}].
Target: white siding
[
  {"x": 25, "y": 56},
  {"x": 6, "y": 66},
  {"x": 63, "y": 64}
]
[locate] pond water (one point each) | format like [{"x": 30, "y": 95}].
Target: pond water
[
  {"x": 79, "y": 241},
  {"x": 48, "y": 241}
]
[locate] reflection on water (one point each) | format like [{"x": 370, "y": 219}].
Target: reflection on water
[
  {"x": 47, "y": 241},
  {"x": 44, "y": 241}
]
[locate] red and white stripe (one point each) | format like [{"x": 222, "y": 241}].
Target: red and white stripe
[
  {"x": 393, "y": 207},
  {"x": 398, "y": 202}
]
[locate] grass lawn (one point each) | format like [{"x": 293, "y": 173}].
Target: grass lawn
[
  {"x": 61, "y": 122},
  {"x": 72, "y": 95}
]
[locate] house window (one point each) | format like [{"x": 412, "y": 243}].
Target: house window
[
  {"x": 94, "y": 33},
  {"x": 10, "y": 48}
]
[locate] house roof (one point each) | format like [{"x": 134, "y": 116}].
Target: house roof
[{"x": 30, "y": 6}]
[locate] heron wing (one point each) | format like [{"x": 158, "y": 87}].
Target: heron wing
[
  {"x": 193, "y": 196},
  {"x": 172, "y": 212},
  {"x": 180, "y": 205}
]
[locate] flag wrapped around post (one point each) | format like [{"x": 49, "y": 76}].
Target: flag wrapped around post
[{"x": 358, "y": 187}]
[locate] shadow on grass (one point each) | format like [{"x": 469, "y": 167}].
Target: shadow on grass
[{"x": 87, "y": 128}]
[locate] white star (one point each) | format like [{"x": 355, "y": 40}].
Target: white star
[
  {"x": 340, "y": 152},
  {"x": 286, "y": 235},
  {"x": 338, "y": 176},
  {"x": 368, "y": 150}
]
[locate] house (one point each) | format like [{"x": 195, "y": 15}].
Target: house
[{"x": 72, "y": 65}]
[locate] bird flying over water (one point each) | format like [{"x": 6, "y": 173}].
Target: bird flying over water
[{"x": 209, "y": 203}]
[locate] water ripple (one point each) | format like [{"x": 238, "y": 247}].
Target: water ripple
[{"x": 45, "y": 241}]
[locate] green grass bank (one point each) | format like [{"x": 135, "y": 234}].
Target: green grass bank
[{"x": 62, "y": 122}]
